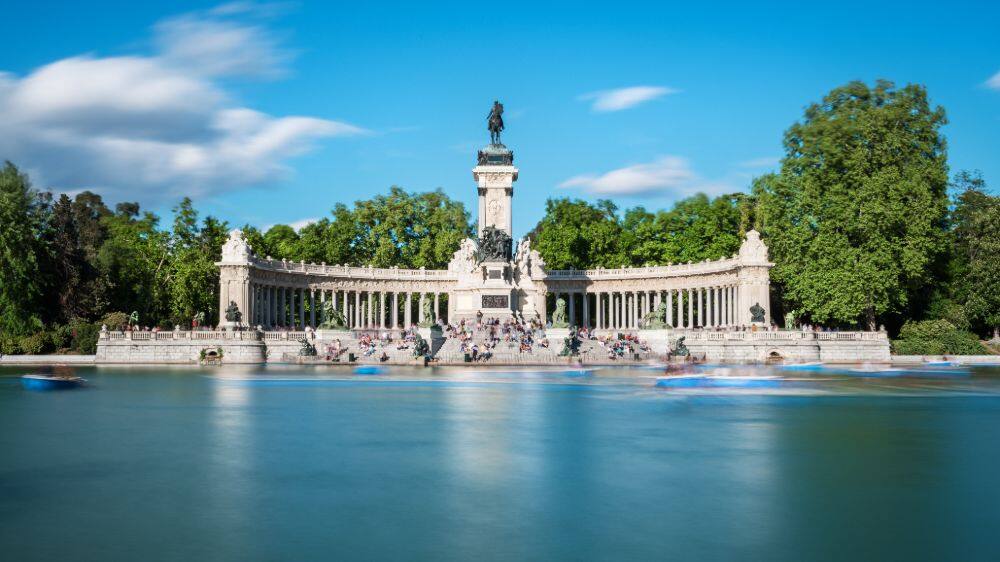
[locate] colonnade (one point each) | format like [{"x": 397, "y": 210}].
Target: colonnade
[
  {"x": 278, "y": 306},
  {"x": 703, "y": 307}
]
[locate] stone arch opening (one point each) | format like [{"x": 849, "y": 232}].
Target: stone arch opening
[{"x": 774, "y": 357}]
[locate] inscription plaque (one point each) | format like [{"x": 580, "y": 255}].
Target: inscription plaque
[
  {"x": 496, "y": 301},
  {"x": 496, "y": 274}
]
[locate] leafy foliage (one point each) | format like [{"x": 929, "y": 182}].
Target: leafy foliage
[
  {"x": 856, "y": 220},
  {"x": 580, "y": 235},
  {"x": 936, "y": 337}
]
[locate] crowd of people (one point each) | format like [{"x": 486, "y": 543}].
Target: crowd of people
[{"x": 511, "y": 333}]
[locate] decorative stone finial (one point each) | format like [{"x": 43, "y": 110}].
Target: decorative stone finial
[
  {"x": 753, "y": 249},
  {"x": 236, "y": 249}
]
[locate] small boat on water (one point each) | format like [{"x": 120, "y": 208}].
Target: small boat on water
[
  {"x": 51, "y": 382},
  {"x": 942, "y": 363},
  {"x": 577, "y": 372},
  {"x": 815, "y": 366},
  {"x": 710, "y": 381},
  {"x": 369, "y": 370}
]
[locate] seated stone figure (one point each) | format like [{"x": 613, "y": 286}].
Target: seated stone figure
[
  {"x": 306, "y": 349},
  {"x": 656, "y": 319},
  {"x": 559, "y": 316},
  {"x": 427, "y": 308},
  {"x": 679, "y": 349}
]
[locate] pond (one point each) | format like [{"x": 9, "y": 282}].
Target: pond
[{"x": 293, "y": 463}]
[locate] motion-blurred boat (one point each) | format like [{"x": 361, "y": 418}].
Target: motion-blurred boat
[
  {"x": 51, "y": 382},
  {"x": 708, "y": 381},
  {"x": 368, "y": 370},
  {"x": 815, "y": 366}
]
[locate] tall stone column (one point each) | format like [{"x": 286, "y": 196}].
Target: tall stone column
[
  {"x": 408, "y": 313},
  {"x": 586, "y": 309},
  {"x": 437, "y": 307},
  {"x": 357, "y": 309},
  {"x": 670, "y": 308},
  {"x": 343, "y": 304},
  {"x": 312, "y": 307},
  {"x": 395, "y": 309}
]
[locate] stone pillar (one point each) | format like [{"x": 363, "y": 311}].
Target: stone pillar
[
  {"x": 408, "y": 315},
  {"x": 670, "y": 307},
  {"x": 343, "y": 304},
  {"x": 586, "y": 309},
  {"x": 437, "y": 307},
  {"x": 395, "y": 309},
  {"x": 420, "y": 309},
  {"x": 357, "y": 309},
  {"x": 312, "y": 308},
  {"x": 689, "y": 297}
]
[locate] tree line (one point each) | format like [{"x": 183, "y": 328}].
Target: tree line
[{"x": 862, "y": 222}]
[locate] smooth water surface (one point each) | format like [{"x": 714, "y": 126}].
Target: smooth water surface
[{"x": 311, "y": 464}]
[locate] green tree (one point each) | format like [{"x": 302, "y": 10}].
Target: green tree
[
  {"x": 579, "y": 235},
  {"x": 856, "y": 219},
  {"x": 22, "y": 219},
  {"x": 194, "y": 277},
  {"x": 68, "y": 260},
  {"x": 977, "y": 243}
]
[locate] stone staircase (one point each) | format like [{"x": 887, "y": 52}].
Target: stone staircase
[{"x": 505, "y": 353}]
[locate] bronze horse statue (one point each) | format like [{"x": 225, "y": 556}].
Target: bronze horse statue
[{"x": 494, "y": 122}]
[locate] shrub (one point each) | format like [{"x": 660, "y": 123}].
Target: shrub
[
  {"x": 115, "y": 320},
  {"x": 35, "y": 344},
  {"x": 9, "y": 345},
  {"x": 61, "y": 336},
  {"x": 936, "y": 337},
  {"x": 85, "y": 336}
]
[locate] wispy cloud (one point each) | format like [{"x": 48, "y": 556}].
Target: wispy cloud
[
  {"x": 302, "y": 223},
  {"x": 153, "y": 127},
  {"x": 669, "y": 176},
  {"x": 624, "y": 98},
  {"x": 994, "y": 82},
  {"x": 762, "y": 162}
]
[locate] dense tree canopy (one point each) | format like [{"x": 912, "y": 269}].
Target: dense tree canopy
[
  {"x": 977, "y": 252},
  {"x": 581, "y": 235},
  {"x": 856, "y": 220},
  {"x": 411, "y": 230}
]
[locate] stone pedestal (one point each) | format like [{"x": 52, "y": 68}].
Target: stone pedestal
[{"x": 658, "y": 340}]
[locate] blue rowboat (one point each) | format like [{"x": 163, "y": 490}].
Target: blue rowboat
[
  {"x": 802, "y": 367},
  {"x": 578, "y": 372},
  {"x": 368, "y": 370},
  {"x": 703, "y": 381},
  {"x": 50, "y": 382}
]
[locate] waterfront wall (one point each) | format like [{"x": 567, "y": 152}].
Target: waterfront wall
[
  {"x": 715, "y": 347},
  {"x": 784, "y": 346},
  {"x": 179, "y": 347}
]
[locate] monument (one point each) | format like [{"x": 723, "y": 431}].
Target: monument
[{"x": 490, "y": 286}]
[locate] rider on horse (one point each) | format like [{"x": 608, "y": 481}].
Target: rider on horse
[{"x": 495, "y": 122}]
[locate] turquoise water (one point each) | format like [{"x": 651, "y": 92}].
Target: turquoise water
[{"x": 292, "y": 464}]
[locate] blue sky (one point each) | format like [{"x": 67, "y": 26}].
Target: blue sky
[{"x": 268, "y": 113}]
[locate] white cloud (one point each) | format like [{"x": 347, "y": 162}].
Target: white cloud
[
  {"x": 666, "y": 176},
  {"x": 214, "y": 45},
  {"x": 763, "y": 162},
  {"x": 300, "y": 224},
  {"x": 154, "y": 127},
  {"x": 624, "y": 98},
  {"x": 994, "y": 82}
]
